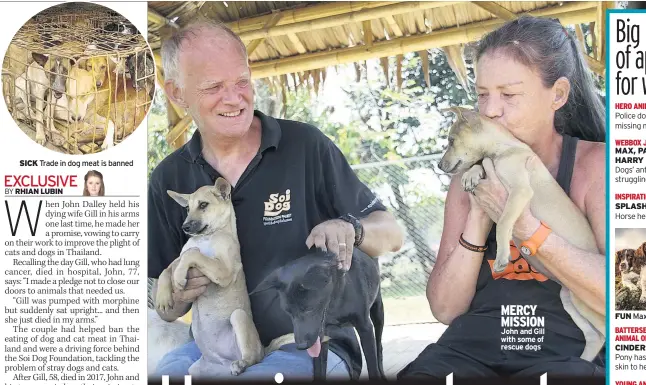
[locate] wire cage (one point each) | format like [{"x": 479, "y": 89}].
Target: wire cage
[{"x": 80, "y": 76}]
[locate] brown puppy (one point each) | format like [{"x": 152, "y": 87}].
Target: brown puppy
[{"x": 474, "y": 138}]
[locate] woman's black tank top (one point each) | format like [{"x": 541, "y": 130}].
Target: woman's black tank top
[{"x": 480, "y": 331}]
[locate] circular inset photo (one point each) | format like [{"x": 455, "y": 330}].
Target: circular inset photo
[{"x": 78, "y": 78}]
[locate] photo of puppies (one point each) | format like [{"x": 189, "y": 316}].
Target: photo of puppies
[
  {"x": 630, "y": 273},
  {"x": 78, "y": 78}
]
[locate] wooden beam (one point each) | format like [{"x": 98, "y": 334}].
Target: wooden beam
[
  {"x": 346, "y": 18},
  {"x": 297, "y": 15},
  {"x": 593, "y": 38},
  {"x": 596, "y": 66},
  {"x": 439, "y": 38},
  {"x": 179, "y": 129},
  {"x": 392, "y": 23},
  {"x": 367, "y": 33},
  {"x": 601, "y": 23},
  {"x": 156, "y": 18},
  {"x": 579, "y": 36},
  {"x": 275, "y": 18},
  {"x": 297, "y": 43},
  {"x": 496, "y": 10}
]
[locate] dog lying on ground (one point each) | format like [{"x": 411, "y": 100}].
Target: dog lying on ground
[
  {"x": 630, "y": 264},
  {"x": 316, "y": 293},
  {"x": 221, "y": 318},
  {"x": 474, "y": 137}
]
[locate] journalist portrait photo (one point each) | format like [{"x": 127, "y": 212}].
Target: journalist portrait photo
[
  {"x": 630, "y": 273},
  {"x": 398, "y": 198},
  {"x": 78, "y": 78},
  {"x": 93, "y": 185}
]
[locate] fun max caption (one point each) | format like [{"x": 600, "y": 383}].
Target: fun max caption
[{"x": 628, "y": 58}]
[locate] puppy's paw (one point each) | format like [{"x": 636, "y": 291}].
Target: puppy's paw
[
  {"x": 179, "y": 279},
  {"x": 472, "y": 177},
  {"x": 107, "y": 144},
  {"x": 164, "y": 300},
  {"x": 41, "y": 138},
  {"x": 500, "y": 264},
  {"x": 237, "y": 367}
]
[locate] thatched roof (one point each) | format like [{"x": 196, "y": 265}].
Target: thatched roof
[
  {"x": 306, "y": 37},
  {"x": 318, "y": 34}
]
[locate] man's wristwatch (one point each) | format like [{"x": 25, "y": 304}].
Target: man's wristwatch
[
  {"x": 529, "y": 247},
  {"x": 358, "y": 227}
]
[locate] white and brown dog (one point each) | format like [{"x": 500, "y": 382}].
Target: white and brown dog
[
  {"x": 222, "y": 323},
  {"x": 630, "y": 264}
]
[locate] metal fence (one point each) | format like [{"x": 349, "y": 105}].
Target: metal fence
[{"x": 415, "y": 194}]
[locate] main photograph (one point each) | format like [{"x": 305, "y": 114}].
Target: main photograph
[{"x": 377, "y": 190}]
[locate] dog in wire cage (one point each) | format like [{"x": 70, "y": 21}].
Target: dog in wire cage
[{"x": 78, "y": 80}]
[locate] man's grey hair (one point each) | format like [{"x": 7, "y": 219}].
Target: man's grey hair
[{"x": 172, "y": 46}]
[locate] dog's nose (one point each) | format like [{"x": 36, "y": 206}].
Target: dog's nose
[
  {"x": 99, "y": 84},
  {"x": 186, "y": 227},
  {"x": 58, "y": 95},
  {"x": 442, "y": 166}
]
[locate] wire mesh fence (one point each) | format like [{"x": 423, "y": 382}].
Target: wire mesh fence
[
  {"x": 414, "y": 193},
  {"x": 80, "y": 78}
]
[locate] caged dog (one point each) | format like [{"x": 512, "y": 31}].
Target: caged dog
[
  {"x": 630, "y": 264},
  {"x": 222, "y": 323},
  {"x": 474, "y": 138},
  {"x": 316, "y": 293}
]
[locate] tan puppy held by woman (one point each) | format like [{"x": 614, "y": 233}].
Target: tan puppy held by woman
[
  {"x": 474, "y": 138},
  {"x": 221, "y": 320}
]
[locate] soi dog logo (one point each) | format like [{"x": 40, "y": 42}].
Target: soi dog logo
[{"x": 277, "y": 204}]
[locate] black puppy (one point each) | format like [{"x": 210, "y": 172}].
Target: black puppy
[
  {"x": 141, "y": 68},
  {"x": 316, "y": 293}
]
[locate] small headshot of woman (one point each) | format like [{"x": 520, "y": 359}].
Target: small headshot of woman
[{"x": 93, "y": 185}]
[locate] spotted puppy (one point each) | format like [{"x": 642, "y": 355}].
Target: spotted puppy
[{"x": 630, "y": 265}]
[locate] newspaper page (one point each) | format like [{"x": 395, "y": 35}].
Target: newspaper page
[
  {"x": 73, "y": 208},
  {"x": 356, "y": 107}
]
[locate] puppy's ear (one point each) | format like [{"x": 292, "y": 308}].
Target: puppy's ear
[
  {"x": 272, "y": 281},
  {"x": 223, "y": 188},
  {"x": 40, "y": 58},
  {"x": 80, "y": 63},
  {"x": 182, "y": 199}
]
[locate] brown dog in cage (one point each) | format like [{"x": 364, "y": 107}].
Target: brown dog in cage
[
  {"x": 51, "y": 85},
  {"x": 115, "y": 105},
  {"x": 74, "y": 75}
]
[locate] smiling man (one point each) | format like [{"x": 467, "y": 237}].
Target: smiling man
[{"x": 292, "y": 190}]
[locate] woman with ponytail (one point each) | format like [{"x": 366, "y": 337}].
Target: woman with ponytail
[{"x": 532, "y": 79}]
